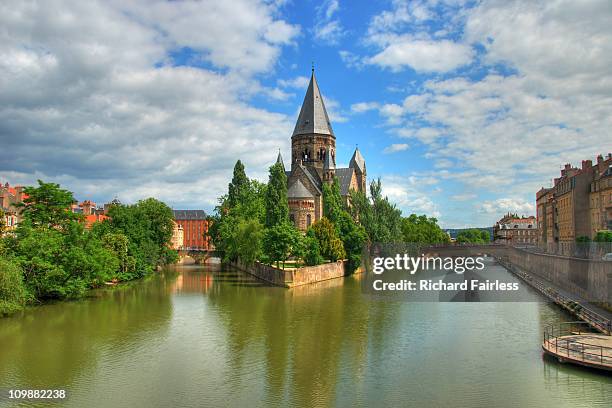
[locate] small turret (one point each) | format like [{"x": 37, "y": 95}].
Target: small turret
[
  {"x": 279, "y": 159},
  {"x": 358, "y": 164},
  {"x": 329, "y": 168}
]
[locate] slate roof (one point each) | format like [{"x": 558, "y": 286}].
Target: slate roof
[
  {"x": 189, "y": 214},
  {"x": 357, "y": 161},
  {"x": 298, "y": 190},
  {"x": 344, "y": 179},
  {"x": 279, "y": 159},
  {"x": 313, "y": 116}
]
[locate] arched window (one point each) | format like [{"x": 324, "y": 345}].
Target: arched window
[{"x": 308, "y": 220}]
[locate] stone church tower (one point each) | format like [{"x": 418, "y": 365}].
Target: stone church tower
[{"x": 313, "y": 161}]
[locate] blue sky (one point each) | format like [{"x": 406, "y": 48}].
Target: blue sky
[{"x": 464, "y": 109}]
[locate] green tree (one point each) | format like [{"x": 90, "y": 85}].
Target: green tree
[
  {"x": 238, "y": 186},
  {"x": 48, "y": 205},
  {"x": 281, "y": 242},
  {"x": 603, "y": 236},
  {"x": 248, "y": 240},
  {"x": 329, "y": 243},
  {"x": 473, "y": 236},
  {"x": 148, "y": 227},
  {"x": 332, "y": 200},
  {"x": 277, "y": 209},
  {"x": 13, "y": 294},
  {"x": 381, "y": 219},
  {"x": 312, "y": 251},
  {"x": 421, "y": 229}
]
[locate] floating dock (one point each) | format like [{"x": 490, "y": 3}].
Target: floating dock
[{"x": 573, "y": 342}]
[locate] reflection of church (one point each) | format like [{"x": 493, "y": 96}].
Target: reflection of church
[{"x": 313, "y": 161}]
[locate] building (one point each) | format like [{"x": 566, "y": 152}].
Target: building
[
  {"x": 600, "y": 194},
  {"x": 194, "y": 224},
  {"x": 10, "y": 197},
  {"x": 178, "y": 236},
  {"x": 578, "y": 205},
  {"x": 514, "y": 230},
  {"x": 90, "y": 212},
  {"x": 313, "y": 161}
]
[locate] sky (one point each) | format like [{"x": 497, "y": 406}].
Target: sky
[{"x": 464, "y": 109}]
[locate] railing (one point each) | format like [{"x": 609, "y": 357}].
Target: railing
[
  {"x": 563, "y": 340},
  {"x": 592, "y": 318}
]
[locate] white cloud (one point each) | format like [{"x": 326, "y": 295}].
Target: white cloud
[
  {"x": 328, "y": 29},
  {"x": 422, "y": 55},
  {"x": 505, "y": 205},
  {"x": 407, "y": 192},
  {"x": 91, "y": 97},
  {"x": 396, "y": 147},
  {"x": 299, "y": 82},
  {"x": 464, "y": 197},
  {"x": 361, "y": 107}
]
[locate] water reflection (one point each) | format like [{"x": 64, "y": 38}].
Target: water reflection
[{"x": 202, "y": 336}]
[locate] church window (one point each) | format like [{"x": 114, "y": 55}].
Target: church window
[{"x": 308, "y": 220}]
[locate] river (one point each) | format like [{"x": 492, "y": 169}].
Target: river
[{"x": 196, "y": 336}]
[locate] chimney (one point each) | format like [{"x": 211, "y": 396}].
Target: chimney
[
  {"x": 586, "y": 164},
  {"x": 599, "y": 159}
]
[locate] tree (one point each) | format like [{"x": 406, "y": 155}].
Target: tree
[
  {"x": 48, "y": 206},
  {"x": 332, "y": 200},
  {"x": 280, "y": 242},
  {"x": 381, "y": 219},
  {"x": 277, "y": 209},
  {"x": 473, "y": 236},
  {"x": 2, "y": 221},
  {"x": 603, "y": 236},
  {"x": 148, "y": 227},
  {"x": 423, "y": 230},
  {"x": 329, "y": 243},
  {"x": 248, "y": 240},
  {"x": 238, "y": 186},
  {"x": 13, "y": 294},
  {"x": 312, "y": 251}
]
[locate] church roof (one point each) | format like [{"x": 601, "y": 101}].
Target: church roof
[
  {"x": 189, "y": 215},
  {"x": 313, "y": 117},
  {"x": 298, "y": 190},
  {"x": 279, "y": 159},
  {"x": 357, "y": 161},
  {"x": 344, "y": 179}
]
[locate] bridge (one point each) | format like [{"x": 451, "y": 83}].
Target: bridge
[{"x": 199, "y": 255}]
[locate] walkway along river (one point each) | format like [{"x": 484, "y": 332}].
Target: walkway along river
[{"x": 195, "y": 336}]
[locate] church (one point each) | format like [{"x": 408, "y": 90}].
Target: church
[{"x": 313, "y": 161}]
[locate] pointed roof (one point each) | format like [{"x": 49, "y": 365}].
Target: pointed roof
[
  {"x": 313, "y": 116},
  {"x": 357, "y": 161},
  {"x": 279, "y": 159},
  {"x": 298, "y": 190},
  {"x": 328, "y": 162}
]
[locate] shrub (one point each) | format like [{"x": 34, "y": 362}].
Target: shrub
[{"x": 13, "y": 294}]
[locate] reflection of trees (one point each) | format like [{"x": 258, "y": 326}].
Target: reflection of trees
[
  {"x": 53, "y": 345},
  {"x": 311, "y": 337}
]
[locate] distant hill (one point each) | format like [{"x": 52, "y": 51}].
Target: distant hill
[{"x": 455, "y": 231}]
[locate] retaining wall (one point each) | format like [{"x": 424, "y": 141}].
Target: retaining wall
[{"x": 296, "y": 277}]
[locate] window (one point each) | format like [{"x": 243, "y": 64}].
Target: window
[{"x": 308, "y": 220}]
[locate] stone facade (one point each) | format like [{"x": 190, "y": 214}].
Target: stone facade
[
  {"x": 313, "y": 162},
  {"x": 514, "y": 230},
  {"x": 296, "y": 277},
  {"x": 578, "y": 205}
]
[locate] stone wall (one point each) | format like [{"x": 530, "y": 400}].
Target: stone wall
[
  {"x": 296, "y": 277},
  {"x": 590, "y": 279}
]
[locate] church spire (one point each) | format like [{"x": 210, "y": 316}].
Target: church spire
[
  {"x": 313, "y": 116},
  {"x": 279, "y": 159}
]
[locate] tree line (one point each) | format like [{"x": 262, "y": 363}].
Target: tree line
[
  {"x": 251, "y": 223},
  {"x": 51, "y": 255}
]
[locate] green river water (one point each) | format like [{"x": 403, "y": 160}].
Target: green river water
[{"x": 197, "y": 336}]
